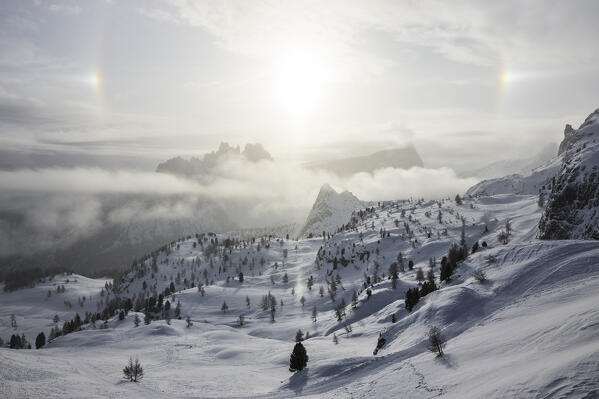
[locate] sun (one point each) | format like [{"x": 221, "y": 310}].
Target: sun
[
  {"x": 506, "y": 77},
  {"x": 298, "y": 82}
]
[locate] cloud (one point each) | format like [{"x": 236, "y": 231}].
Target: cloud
[
  {"x": 464, "y": 31},
  {"x": 55, "y": 208},
  {"x": 65, "y": 9}
]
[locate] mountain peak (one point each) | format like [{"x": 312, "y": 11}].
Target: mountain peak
[
  {"x": 571, "y": 211},
  {"x": 204, "y": 165},
  {"x": 330, "y": 210}
]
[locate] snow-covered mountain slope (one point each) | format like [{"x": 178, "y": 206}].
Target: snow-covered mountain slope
[
  {"x": 530, "y": 183},
  {"x": 330, "y": 210},
  {"x": 573, "y": 204},
  {"x": 530, "y": 330}
]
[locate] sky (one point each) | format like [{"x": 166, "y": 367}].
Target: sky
[{"x": 467, "y": 82}]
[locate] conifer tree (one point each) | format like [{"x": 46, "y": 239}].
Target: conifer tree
[
  {"x": 419, "y": 275},
  {"x": 436, "y": 340},
  {"x": 133, "y": 371},
  {"x": 178, "y": 310},
  {"x": 299, "y": 358},
  {"x": 393, "y": 274},
  {"x": 40, "y": 340}
]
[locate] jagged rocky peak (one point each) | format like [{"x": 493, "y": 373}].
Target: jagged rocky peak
[
  {"x": 255, "y": 152},
  {"x": 330, "y": 210},
  {"x": 198, "y": 166},
  {"x": 572, "y": 210},
  {"x": 568, "y": 133}
]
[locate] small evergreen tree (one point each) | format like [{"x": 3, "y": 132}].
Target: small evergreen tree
[
  {"x": 225, "y": 307},
  {"x": 133, "y": 371},
  {"x": 136, "y": 320},
  {"x": 299, "y": 358},
  {"x": 354, "y": 300},
  {"x": 314, "y": 313},
  {"x": 40, "y": 340},
  {"x": 436, "y": 340},
  {"x": 299, "y": 336},
  {"x": 178, "y": 310},
  {"x": 393, "y": 274},
  {"x": 419, "y": 275},
  {"x": 188, "y": 321}
]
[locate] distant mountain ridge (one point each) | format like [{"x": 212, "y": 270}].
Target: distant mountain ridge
[
  {"x": 402, "y": 158},
  {"x": 521, "y": 166},
  {"x": 199, "y": 166}
]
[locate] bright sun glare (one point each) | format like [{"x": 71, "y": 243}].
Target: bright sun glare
[
  {"x": 299, "y": 81},
  {"x": 94, "y": 80}
]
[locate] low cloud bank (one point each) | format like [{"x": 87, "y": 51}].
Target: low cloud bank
[{"x": 54, "y": 208}]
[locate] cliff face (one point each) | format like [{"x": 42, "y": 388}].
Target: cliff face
[{"x": 572, "y": 210}]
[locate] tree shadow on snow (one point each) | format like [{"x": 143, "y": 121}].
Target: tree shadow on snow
[
  {"x": 298, "y": 381},
  {"x": 447, "y": 360}
]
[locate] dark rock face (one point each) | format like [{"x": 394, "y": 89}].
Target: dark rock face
[
  {"x": 568, "y": 138},
  {"x": 572, "y": 210}
]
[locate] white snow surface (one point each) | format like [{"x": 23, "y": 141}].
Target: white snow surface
[{"x": 530, "y": 331}]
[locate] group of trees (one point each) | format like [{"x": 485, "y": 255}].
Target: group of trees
[{"x": 19, "y": 342}]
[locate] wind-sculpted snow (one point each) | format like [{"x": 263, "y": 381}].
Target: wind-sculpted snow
[{"x": 530, "y": 330}]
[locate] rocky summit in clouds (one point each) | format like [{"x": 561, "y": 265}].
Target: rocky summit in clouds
[{"x": 205, "y": 165}]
